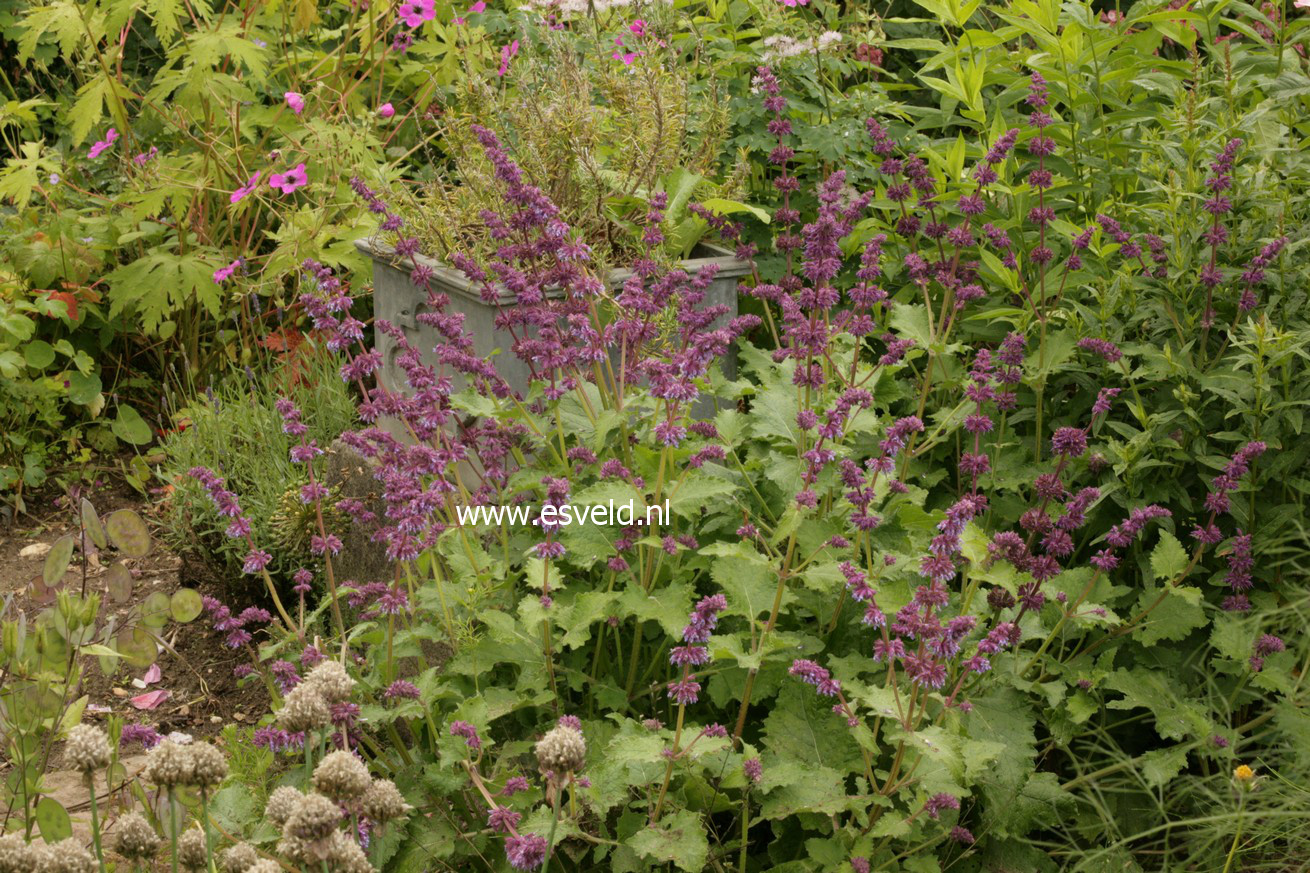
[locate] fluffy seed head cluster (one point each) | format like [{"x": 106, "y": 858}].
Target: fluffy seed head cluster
[
  {"x": 208, "y": 766},
  {"x": 341, "y": 776},
  {"x": 192, "y": 854},
  {"x": 169, "y": 765},
  {"x": 313, "y": 818},
  {"x": 135, "y": 839},
  {"x": 281, "y": 803},
  {"x": 331, "y": 681},
  {"x": 304, "y": 709},
  {"x": 87, "y": 748},
  {"x": 15, "y": 856},
  {"x": 265, "y": 865},
  {"x": 562, "y": 750},
  {"x": 239, "y": 858},
  {"x": 383, "y": 802}
]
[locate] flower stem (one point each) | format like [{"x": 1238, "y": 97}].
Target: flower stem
[{"x": 95, "y": 820}]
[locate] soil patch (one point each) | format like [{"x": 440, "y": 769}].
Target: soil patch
[{"x": 195, "y": 667}]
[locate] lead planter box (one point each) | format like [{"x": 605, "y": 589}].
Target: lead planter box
[{"x": 397, "y": 300}]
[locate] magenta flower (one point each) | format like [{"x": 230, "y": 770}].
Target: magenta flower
[
  {"x": 525, "y": 851},
  {"x": 101, "y": 146},
  {"x": 295, "y": 101},
  {"x": 620, "y": 55},
  {"x": 222, "y": 274},
  {"x": 249, "y": 188},
  {"x": 506, "y": 54},
  {"x": 478, "y": 8},
  {"x": 386, "y": 110},
  {"x": 415, "y": 12},
  {"x": 291, "y": 180}
]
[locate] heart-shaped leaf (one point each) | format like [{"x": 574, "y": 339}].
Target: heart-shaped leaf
[
  {"x": 57, "y": 560},
  {"x": 186, "y": 605},
  {"x": 129, "y": 533}
]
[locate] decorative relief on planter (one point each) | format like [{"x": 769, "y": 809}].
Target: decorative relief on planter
[{"x": 397, "y": 300}]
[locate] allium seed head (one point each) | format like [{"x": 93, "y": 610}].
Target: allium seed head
[
  {"x": 169, "y": 765},
  {"x": 209, "y": 766},
  {"x": 281, "y": 803},
  {"x": 383, "y": 802},
  {"x": 304, "y": 709},
  {"x": 239, "y": 858},
  {"x": 313, "y": 818},
  {"x": 192, "y": 855},
  {"x": 331, "y": 681},
  {"x": 341, "y": 776},
  {"x": 134, "y": 838},
  {"x": 87, "y": 748},
  {"x": 562, "y": 750}
]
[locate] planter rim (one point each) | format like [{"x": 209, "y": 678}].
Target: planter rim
[{"x": 453, "y": 280}]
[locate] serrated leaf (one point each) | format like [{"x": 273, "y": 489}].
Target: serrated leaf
[
  {"x": 678, "y": 838},
  {"x": 1168, "y": 558}
]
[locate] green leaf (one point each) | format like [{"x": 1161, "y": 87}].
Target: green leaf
[
  {"x": 678, "y": 838},
  {"x": 57, "y": 560},
  {"x": 700, "y": 491},
  {"x": 39, "y": 354},
  {"x": 130, "y": 427},
  {"x": 53, "y": 820},
  {"x": 720, "y": 206},
  {"x": 83, "y": 389},
  {"x": 1177, "y": 615},
  {"x": 1168, "y": 558},
  {"x": 910, "y": 321}
]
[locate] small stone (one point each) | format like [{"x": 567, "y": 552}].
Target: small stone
[{"x": 35, "y": 550}]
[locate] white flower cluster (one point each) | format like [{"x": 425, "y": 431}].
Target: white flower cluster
[{"x": 781, "y": 46}]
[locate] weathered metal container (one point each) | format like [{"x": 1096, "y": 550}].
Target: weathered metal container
[{"x": 396, "y": 299}]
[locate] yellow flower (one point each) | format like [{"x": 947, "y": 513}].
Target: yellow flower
[{"x": 1243, "y": 774}]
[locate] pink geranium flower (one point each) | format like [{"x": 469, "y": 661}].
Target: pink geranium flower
[
  {"x": 290, "y": 180},
  {"x": 480, "y": 7},
  {"x": 620, "y": 55},
  {"x": 638, "y": 27},
  {"x": 386, "y": 110},
  {"x": 415, "y": 12},
  {"x": 251, "y": 184},
  {"x": 506, "y": 54},
  {"x": 295, "y": 101},
  {"x": 222, "y": 274},
  {"x": 795, "y": 2},
  {"x": 101, "y": 146}
]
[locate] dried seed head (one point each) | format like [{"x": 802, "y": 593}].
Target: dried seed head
[
  {"x": 562, "y": 750},
  {"x": 87, "y": 748},
  {"x": 15, "y": 856},
  {"x": 383, "y": 802},
  {"x": 168, "y": 765},
  {"x": 341, "y": 776},
  {"x": 304, "y": 709},
  {"x": 70, "y": 856},
  {"x": 344, "y": 855},
  {"x": 239, "y": 858},
  {"x": 264, "y": 866},
  {"x": 331, "y": 680},
  {"x": 191, "y": 852},
  {"x": 281, "y": 803},
  {"x": 313, "y": 818},
  {"x": 209, "y": 767},
  {"x": 134, "y": 838},
  {"x": 297, "y": 850}
]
